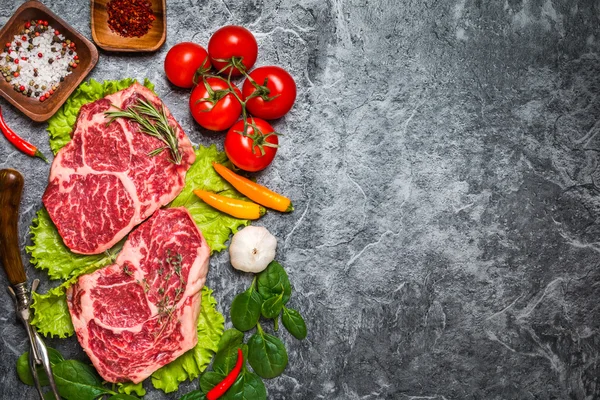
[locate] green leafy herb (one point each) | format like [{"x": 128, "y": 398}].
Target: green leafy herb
[
  {"x": 274, "y": 281},
  {"x": 226, "y": 356},
  {"x": 194, "y": 395},
  {"x": 272, "y": 306},
  {"x": 25, "y": 373},
  {"x": 78, "y": 381},
  {"x": 122, "y": 396},
  {"x": 266, "y": 354},
  {"x": 245, "y": 308},
  {"x": 153, "y": 122},
  {"x": 294, "y": 323}
]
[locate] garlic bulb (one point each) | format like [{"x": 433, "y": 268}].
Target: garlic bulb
[{"x": 252, "y": 249}]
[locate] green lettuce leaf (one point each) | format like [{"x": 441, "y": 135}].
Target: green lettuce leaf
[
  {"x": 49, "y": 253},
  {"x": 214, "y": 225},
  {"x": 190, "y": 365},
  {"x": 130, "y": 387},
  {"x": 61, "y": 124}
]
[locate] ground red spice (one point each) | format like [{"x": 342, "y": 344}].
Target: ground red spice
[{"x": 130, "y": 18}]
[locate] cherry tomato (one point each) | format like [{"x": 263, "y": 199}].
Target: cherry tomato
[
  {"x": 232, "y": 41},
  {"x": 225, "y": 110},
  {"x": 182, "y": 62},
  {"x": 245, "y": 151},
  {"x": 274, "y": 99}
]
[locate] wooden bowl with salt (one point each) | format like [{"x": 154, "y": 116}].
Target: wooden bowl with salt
[{"x": 86, "y": 51}]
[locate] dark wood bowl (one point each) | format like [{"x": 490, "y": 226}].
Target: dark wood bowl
[
  {"x": 108, "y": 40},
  {"x": 87, "y": 52}
]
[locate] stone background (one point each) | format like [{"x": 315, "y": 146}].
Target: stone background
[{"x": 443, "y": 160}]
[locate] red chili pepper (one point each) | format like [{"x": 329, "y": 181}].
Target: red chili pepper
[
  {"x": 18, "y": 142},
  {"x": 229, "y": 380}
]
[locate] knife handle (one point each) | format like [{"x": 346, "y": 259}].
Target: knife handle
[{"x": 11, "y": 188}]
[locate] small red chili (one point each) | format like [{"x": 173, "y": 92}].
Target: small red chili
[
  {"x": 229, "y": 380},
  {"x": 18, "y": 142}
]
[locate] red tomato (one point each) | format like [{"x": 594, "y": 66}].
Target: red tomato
[
  {"x": 226, "y": 109},
  {"x": 232, "y": 41},
  {"x": 182, "y": 62},
  {"x": 275, "y": 98},
  {"x": 245, "y": 151}
]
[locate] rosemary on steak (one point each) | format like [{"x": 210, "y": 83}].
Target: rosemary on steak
[
  {"x": 166, "y": 304},
  {"x": 153, "y": 122}
]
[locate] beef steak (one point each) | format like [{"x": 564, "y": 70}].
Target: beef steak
[
  {"x": 103, "y": 182},
  {"x": 140, "y": 313}
]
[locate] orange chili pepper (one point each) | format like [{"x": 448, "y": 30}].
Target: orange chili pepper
[{"x": 254, "y": 191}]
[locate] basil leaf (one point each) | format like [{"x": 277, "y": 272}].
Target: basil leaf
[
  {"x": 266, "y": 354},
  {"x": 226, "y": 355},
  {"x": 294, "y": 323},
  {"x": 245, "y": 309},
  {"x": 248, "y": 386},
  {"x": 272, "y": 281},
  {"x": 78, "y": 381},
  {"x": 194, "y": 395},
  {"x": 209, "y": 380},
  {"x": 272, "y": 306},
  {"x": 25, "y": 373}
]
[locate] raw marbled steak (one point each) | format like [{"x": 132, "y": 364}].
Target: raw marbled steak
[
  {"x": 103, "y": 183},
  {"x": 140, "y": 313}
]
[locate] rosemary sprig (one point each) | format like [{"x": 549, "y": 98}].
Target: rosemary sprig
[{"x": 152, "y": 122}]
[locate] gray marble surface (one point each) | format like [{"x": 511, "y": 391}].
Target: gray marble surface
[{"x": 443, "y": 160}]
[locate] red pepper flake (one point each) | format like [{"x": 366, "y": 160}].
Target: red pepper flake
[{"x": 130, "y": 18}]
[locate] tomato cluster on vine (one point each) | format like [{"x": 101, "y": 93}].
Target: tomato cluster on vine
[{"x": 217, "y": 104}]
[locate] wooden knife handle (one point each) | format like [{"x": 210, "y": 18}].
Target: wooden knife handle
[{"x": 11, "y": 188}]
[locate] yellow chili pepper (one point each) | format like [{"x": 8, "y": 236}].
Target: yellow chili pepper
[{"x": 236, "y": 208}]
